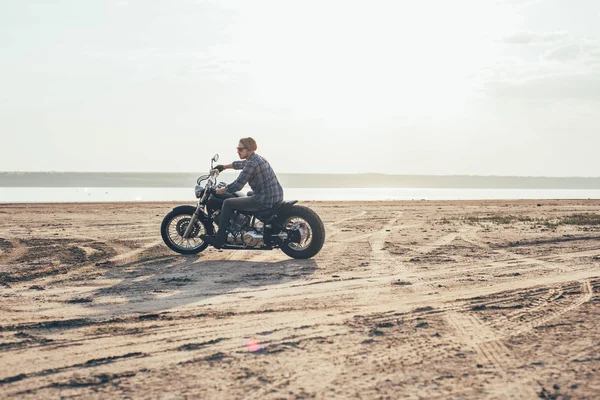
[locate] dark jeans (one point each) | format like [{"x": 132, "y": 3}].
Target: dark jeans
[
  {"x": 215, "y": 203},
  {"x": 234, "y": 203}
]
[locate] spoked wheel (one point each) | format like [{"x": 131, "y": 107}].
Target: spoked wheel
[
  {"x": 173, "y": 228},
  {"x": 306, "y": 233}
]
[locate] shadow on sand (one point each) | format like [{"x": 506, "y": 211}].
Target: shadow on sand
[{"x": 161, "y": 283}]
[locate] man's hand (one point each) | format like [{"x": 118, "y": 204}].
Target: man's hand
[
  {"x": 220, "y": 167},
  {"x": 221, "y": 191}
]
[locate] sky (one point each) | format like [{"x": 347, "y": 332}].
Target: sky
[{"x": 467, "y": 87}]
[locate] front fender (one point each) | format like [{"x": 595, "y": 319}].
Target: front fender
[
  {"x": 192, "y": 209},
  {"x": 185, "y": 209}
]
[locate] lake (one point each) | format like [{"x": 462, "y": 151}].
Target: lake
[{"x": 186, "y": 195}]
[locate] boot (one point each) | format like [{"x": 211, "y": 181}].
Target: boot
[{"x": 212, "y": 240}]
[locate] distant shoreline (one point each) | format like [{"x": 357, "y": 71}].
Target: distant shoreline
[{"x": 175, "y": 180}]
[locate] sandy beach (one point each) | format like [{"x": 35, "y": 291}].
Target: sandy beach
[{"x": 407, "y": 299}]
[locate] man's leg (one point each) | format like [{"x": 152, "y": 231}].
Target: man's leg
[
  {"x": 213, "y": 204},
  {"x": 235, "y": 203}
]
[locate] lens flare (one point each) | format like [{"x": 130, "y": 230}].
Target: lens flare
[{"x": 253, "y": 345}]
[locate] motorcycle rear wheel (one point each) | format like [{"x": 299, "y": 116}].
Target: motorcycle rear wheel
[{"x": 306, "y": 232}]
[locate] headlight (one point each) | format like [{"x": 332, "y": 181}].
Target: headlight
[{"x": 199, "y": 191}]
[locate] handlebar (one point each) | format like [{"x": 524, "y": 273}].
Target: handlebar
[{"x": 210, "y": 187}]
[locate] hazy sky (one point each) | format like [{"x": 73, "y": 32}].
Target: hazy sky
[{"x": 482, "y": 87}]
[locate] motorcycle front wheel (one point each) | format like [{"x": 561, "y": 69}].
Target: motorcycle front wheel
[
  {"x": 173, "y": 228},
  {"x": 306, "y": 232}
]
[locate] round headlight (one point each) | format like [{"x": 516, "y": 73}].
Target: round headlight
[{"x": 198, "y": 190}]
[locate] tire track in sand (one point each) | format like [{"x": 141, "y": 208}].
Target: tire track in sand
[
  {"x": 419, "y": 279},
  {"x": 385, "y": 263},
  {"x": 332, "y": 231},
  {"x": 483, "y": 339},
  {"x": 488, "y": 344},
  {"x": 382, "y": 261},
  {"x": 490, "y": 351},
  {"x": 443, "y": 241},
  {"x": 539, "y": 305},
  {"x": 513, "y": 257},
  {"x": 519, "y": 327}
]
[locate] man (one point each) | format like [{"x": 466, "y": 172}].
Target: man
[{"x": 257, "y": 172}]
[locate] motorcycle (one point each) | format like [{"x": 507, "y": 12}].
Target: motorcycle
[{"x": 297, "y": 230}]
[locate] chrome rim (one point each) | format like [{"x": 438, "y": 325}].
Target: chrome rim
[
  {"x": 176, "y": 229},
  {"x": 300, "y": 225}
]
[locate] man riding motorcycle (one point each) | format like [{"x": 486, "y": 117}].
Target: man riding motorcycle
[{"x": 257, "y": 172}]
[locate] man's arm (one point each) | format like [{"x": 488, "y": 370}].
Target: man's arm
[
  {"x": 242, "y": 179},
  {"x": 240, "y": 164},
  {"x": 233, "y": 165}
]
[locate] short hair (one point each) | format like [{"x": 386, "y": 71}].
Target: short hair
[{"x": 249, "y": 143}]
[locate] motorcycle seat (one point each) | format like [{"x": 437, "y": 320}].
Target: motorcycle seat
[{"x": 267, "y": 216}]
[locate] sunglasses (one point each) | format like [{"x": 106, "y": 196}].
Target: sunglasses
[{"x": 240, "y": 148}]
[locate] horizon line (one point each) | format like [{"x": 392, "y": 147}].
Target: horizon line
[{"x": 308, "y": 173}]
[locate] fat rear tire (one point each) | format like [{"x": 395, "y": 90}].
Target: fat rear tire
[{"x": 317, "y": 228}]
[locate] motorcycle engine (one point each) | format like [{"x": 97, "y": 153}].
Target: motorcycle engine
[
  {"x": 236, "y": 240},
  {"x": 240, "y": 233},
  {"x": 253, "y": 239}
]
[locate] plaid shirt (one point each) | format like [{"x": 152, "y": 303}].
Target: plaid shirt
[{"x": 262, "y": 179}]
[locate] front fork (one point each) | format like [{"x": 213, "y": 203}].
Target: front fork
[{"x": 190, "y": 226}]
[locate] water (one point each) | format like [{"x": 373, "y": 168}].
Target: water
[{"x": 184, "y": 195}]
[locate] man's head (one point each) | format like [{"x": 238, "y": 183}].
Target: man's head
[{"x": 246, "y": 147}]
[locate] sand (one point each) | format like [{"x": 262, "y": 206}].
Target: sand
[{"x": 407, "y": 299}]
